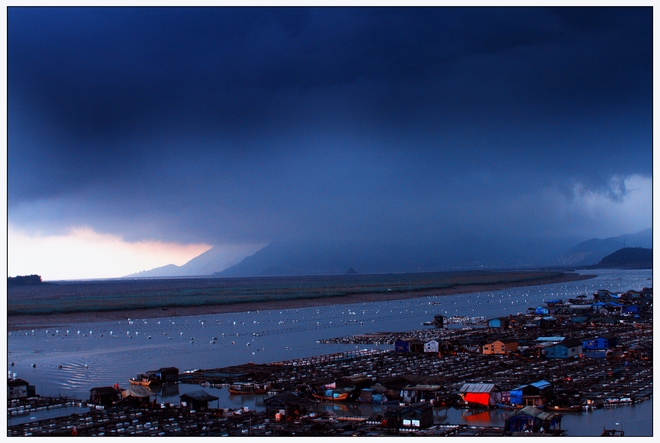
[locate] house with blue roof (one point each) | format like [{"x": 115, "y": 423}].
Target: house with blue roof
[
  {"x": 631, "y": 310},
  {"x": 540, "y": 310},
  {"x": 600, "y": 342},
  {"x": 532, "y": 394},
  {"x": 409, "y": 344},
  {"x": 564, "y": 349},
  {"x": 498, "y": 323},
  {"x": 597, "y": 347}
]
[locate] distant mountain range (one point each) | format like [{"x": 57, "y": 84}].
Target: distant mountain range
[
  {"x": 325, "y": 257},
  {"x": 204, "y": 264},
  {"x": 592, "y": 251},
  {"x": 335, "y": 258}
]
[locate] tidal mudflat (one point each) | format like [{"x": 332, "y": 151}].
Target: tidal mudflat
[{"x": 60, "y": 303}]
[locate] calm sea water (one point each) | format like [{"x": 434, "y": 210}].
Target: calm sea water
[{"x": 71, "y": 360}]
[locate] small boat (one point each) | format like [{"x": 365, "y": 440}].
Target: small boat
[
  {"x": 334, "y": 396},
  {"x": 562, "y": 408},
  {"x": 612, "y": 433},
  {"x": 143, "y": 380},
  {"x": 247, "y": 389},
  {"x": 509, "y": 407}
]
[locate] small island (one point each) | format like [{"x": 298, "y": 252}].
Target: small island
[{"x": 24, "y": 280}]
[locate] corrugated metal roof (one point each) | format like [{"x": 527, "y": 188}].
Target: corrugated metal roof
[
  {"x": 536, "y": 412},
  {"x": 478, "y": 387},
  {"x": 550, "y": 338},
  {"x": 137, "y": 391},
  {"x": 199, "y": 396},
  {"x": 541, "y": 384}
]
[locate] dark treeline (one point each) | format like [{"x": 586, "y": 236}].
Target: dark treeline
[{"x": 24, "y": 280}]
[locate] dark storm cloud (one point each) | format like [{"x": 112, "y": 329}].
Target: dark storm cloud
[{"x": 250, "y": 124}]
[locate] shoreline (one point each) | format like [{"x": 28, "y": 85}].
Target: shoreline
[{"x": 21, "y": 322}]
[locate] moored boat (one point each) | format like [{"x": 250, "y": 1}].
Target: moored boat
[
  {"x": 247, "y": 389},
  {"x": 331, "y": 395},
  {"x": 143, "y": 380},
  {"x": 612, "y": 433},
  {"x": 562, "y": 408},
  {"x": 508, "y": 407}
]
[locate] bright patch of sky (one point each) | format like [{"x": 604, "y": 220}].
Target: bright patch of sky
[{"x": 85, "y": 254}]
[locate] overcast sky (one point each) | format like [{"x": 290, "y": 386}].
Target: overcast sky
[{"x": 178, "y": 129}]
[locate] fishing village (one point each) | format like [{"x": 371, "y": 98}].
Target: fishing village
[
  {"x": 302, "y": 220},
  {"x": 568, "y": 356}
]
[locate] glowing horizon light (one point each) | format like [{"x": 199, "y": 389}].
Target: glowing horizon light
[{"x": 84, "y": 254}]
